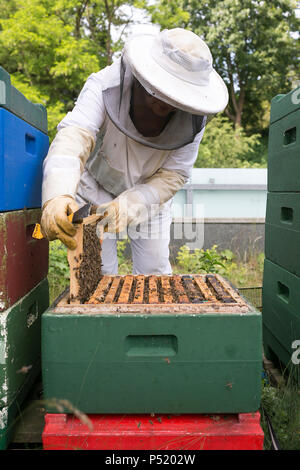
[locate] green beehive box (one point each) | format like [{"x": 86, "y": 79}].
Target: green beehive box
[
  {"x": 282, "y": 105},
  {"x": 14, "y": 101},
  {"x": 10, "y": 415},
  {"x": 20, "y": 353},
  {"x": 274, "y": 350},
  {"x": 284, "y": 143},
  {"x": 152, "y": 360},
  {"x": 281, "y": 311},
  {"x": 282, "y": 230}
]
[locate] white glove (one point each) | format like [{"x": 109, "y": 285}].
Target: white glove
[
  {"x": 122, "y": 211},
  {"x": 138, "y": 203},
  {"x": 55, "y": 223}
]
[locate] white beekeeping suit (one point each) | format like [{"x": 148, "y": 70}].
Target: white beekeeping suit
[{"x": 98, "y": 155}]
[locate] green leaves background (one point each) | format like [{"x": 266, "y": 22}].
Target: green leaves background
[{"x": 50, "y": 47}]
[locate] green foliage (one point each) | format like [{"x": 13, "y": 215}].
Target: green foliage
[
  {"x": 255, "y": 52},
  {"x": 257, "y": 157},
  {"x": 125, "y": 265},
  {"x": 282, "y": 405},
  {"x": 55, "y": 113},
  {"x": 59, "y": 272},
  {"x": 252, "y": 44},
  {"x": 208, "y": 261},
  {"x": 58, "y": 262},
  {"x": 169, "y": 14},
  {"x": 253, "y": 48},
  {"x": 50, "y": 47},
  {"x": 223, "y": 146},
  {"x": 224, "y": 262}
]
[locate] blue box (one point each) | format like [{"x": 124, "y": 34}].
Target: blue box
[{"x": 22, "y": 151}]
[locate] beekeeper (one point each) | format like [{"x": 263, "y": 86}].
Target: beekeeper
[{"x": 130, "y": 143}]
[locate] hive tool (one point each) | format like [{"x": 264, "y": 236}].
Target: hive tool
[{"x": 75, "y": 217}]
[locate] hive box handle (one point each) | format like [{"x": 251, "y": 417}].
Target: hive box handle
[
  {"x": 290, "y": 136},
  {"x": 151, "y": 345},
  {"x": 287, "y": 215},
  {"x": 30, "y": 144},
  {"x": 283, "y": 291}
]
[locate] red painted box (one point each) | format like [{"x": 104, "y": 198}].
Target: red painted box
[
  {"x": 24, "y": 260},
  {"x": 158, "y": 432}
]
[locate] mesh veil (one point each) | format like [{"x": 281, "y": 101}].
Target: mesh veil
[{"x": 179, "y": 131}]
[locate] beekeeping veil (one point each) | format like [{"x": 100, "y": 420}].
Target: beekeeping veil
[{"x": 174, "y": 66}]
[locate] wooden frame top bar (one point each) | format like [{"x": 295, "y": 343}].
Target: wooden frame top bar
[{"x": 112, "y": 296}]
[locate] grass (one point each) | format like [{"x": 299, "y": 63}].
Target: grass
[{"x": 282, "y": 405}]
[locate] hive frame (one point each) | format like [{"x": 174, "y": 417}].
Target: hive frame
[{"x": 239, "y": 306}]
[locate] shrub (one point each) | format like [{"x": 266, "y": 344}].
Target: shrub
[
  {"x": 223, "y": 146},
  {"x": 222, "y": 262}
]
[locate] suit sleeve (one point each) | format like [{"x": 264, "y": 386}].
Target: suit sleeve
[
  {"x": 174, "y": 173},
  {"x": 74, "y": 142}
]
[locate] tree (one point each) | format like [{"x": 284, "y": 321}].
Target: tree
[
  {"x": 223, "y": 146},
  {"x": 50, "y": 47},
  {"x": 168, "y": 13},
  {"x": 252, "y": 45}
]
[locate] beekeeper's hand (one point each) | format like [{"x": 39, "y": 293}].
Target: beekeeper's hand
[
  {"x": 128, "y": 208},
  {"x": 55, "y": 223}
]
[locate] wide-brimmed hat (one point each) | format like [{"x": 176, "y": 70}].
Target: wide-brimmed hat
[{"x": 176, "y": 66}]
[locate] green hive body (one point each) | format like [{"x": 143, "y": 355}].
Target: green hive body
[
  {"x": 284, "y": 143},
  {"x": 14, "y": 101},
  {"x": 283, "y": 105},
  {"x": 20, "y": 354},
  {"x": 282, "y": 233},
  {"x": 281, "y": 283},
  {"x": 152, "y": 363},
  {"x": 281, "y": 312}
]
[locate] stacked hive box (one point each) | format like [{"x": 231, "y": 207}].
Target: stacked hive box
[
  {"x": 281, "y": 284},
  {"x": 24, "y": 260},
  {"x": 151, "y": 344}
]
